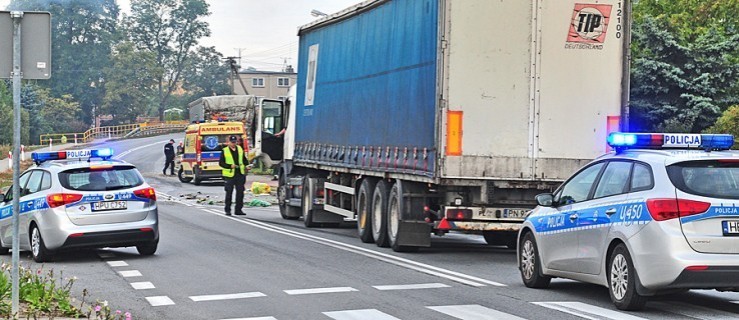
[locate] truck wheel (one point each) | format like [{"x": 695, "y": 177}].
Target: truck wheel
[
  {"x": 38, "y": 247},
  {"x": 379, "y": 214},
  {"x": 393, "y": 219},
  {"x": 622, "y": 280},
  {"x": 528, "y": 257},
  {"x": 364, "y": 210},
  {"x": 180, "y": 175},
  {"x": 308, "y": 199},
  {"x": 287, "y": 212}
]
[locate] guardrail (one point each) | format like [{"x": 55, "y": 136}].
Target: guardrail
[{"x": 111, "y": 132}]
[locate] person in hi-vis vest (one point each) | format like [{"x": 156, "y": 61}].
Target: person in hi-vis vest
[{"x": 233, "y": 163}]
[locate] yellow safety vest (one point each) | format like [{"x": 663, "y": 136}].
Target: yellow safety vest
[{"x": 230, "y": 173}]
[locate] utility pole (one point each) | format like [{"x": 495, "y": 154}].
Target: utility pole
[{"x": 235, "y": 73}]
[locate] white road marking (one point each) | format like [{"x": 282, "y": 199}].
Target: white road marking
[
  {"x": 734, "y": 302},
  {"x": 402, "y": 262},
  {"x": 159, "y": 301},
  {"x": 118, "y": 263},
  {"x": 256, "y": 318},
  {"x": 692, "y": 311},
  {"x": 124, "y": 153},
  {"x": 365, "y": 314},
  {"x": 142, "y": 285},
  {"x": 106, "y": 255},
  {"x": 412, "y": 286},
  {"x": 230, "y": 296},
  {"x": 474, "y": 312},
  {"x": 587, "y": 311},
  {"x": 130, "y": 273},
  {"x": 320, "y": 290}
]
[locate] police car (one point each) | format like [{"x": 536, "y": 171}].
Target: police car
[
  {"x": 658, "y": 215},
  {"x": 81, "y": 198}
]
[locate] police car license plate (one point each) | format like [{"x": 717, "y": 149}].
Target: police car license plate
[
  {"x": 109, "y": 205},
  {"x": 731, "y": 228},
  {"x": 515, "y": 213}
]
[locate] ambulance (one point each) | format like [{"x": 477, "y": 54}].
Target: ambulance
[{"x": 202, "y": 149}]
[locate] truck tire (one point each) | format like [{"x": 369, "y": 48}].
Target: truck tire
[
  {"x": 364, "y": 210},
  {"x": 180, "y": 175},
  {"x": 287, "y": 212},
  {"x": 308, "y": 199},
  {"x": 379, "y": 214},
  {"x": 395, "y": 202}
]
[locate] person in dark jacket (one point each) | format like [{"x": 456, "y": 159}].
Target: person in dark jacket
[
  {"x": 233, "y": 163},
  {"x": 169, "y": 157}
]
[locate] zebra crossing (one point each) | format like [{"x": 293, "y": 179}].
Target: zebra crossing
[{"x": 666, "y": 310}]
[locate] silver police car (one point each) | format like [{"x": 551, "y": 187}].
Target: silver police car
[
  {"x": 658, "y": 215},
  {"x": 72, "y": 199}
]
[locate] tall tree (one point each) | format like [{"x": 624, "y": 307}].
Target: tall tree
[
  {"x": 130, "y": 83},
  {"x": 206, "y": 74},
  {"x": 170, "y": 29},
  {"x": 83, "y": 34}
]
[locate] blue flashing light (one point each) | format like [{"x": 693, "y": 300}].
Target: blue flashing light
[
  {"x": 620, "y": 141},
  {"x": 103, "y": 153}
]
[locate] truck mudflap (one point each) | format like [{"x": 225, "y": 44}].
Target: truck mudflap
[
  {"x": 480, "y": 226},
  {"x": 414, "y": 234}
]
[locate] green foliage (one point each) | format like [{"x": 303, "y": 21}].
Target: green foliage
[
  {"x": 206, "y": 74},
  {"x": 727, "y": 123},
  {"x": 170, "y": 29},
  {"x": 681, "y": 87},
  {"x": 130, "y": 83},
  {"x": 83, "y": 34}
]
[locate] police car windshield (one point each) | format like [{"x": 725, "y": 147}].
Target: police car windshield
[
  {"x": 101, "y": 179},
  {"x": 715, "y": 178}
]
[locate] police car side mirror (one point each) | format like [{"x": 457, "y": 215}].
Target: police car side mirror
[{"x": 545, "y": 199}]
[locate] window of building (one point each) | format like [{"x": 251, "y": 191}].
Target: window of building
[
  {"x": 257, "y": 82},
  {"x": 283, "y": 82}
]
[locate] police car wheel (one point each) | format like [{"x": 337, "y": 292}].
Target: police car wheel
[
  {"x": 379, "y": 214},
  {"x": 38, "y": 248},
  {"x": 147, "y": 249},
  {"x": 622, "y": 280},
  {"x": 364, "y": 210},
  {"x": 530, "y": 263}
]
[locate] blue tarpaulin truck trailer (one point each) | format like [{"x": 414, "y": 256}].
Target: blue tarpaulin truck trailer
[{"x": 420, "y": 117}]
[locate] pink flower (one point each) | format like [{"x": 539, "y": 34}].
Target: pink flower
[
  {"x": 118, "y": 312},
  {"x": 128, "y": 315},
  {"x": 97, "y": 308}
]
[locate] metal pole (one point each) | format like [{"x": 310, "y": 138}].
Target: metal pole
[
  {"x": 626, "y": 70},
  {"x": 17, "y": 17}
]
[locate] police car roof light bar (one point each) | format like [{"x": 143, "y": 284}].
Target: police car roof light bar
[
  {"x": 41, "y": 157},
  {"x": 621, "y": 141}
]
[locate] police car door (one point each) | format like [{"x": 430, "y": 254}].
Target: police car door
[
  {"x": 593, "y": 224},
  {"x": 559, "y": 237},
  {"x": 32, "y": 202},
  {"x": 6, "y": 221}
]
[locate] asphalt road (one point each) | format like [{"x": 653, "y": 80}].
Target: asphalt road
[{"x": 210, "y": 266}]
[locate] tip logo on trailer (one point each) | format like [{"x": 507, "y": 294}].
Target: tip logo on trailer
[{"x": 589, "y": 25}]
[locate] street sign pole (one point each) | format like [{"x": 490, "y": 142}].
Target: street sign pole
[{"x": 17, "y": 16}]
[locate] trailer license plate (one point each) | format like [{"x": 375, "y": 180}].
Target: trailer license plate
[
  {"x": 731, "y": 228},
  {"x": 515, "y": 213},
  {"x": 109, "y": 205}
]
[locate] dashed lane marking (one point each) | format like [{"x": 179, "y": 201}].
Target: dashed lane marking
[
  {"x": 159, "y": 301},
  {"x": 117, "y": 263},
  {"x": 587, "y": 311},
  {"x": 412, "y": 286},
  {"x": 142, "y": 285},
  {"x": 320, "y": 290},
  {"x": 130, "y": 273},
  {"x": 474, "y": 312},
  {"x": 231, "y": 296},
  {"x": 364, "y": 314}
]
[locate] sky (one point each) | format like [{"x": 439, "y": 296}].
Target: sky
[{"x": 264, "y": 31}]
